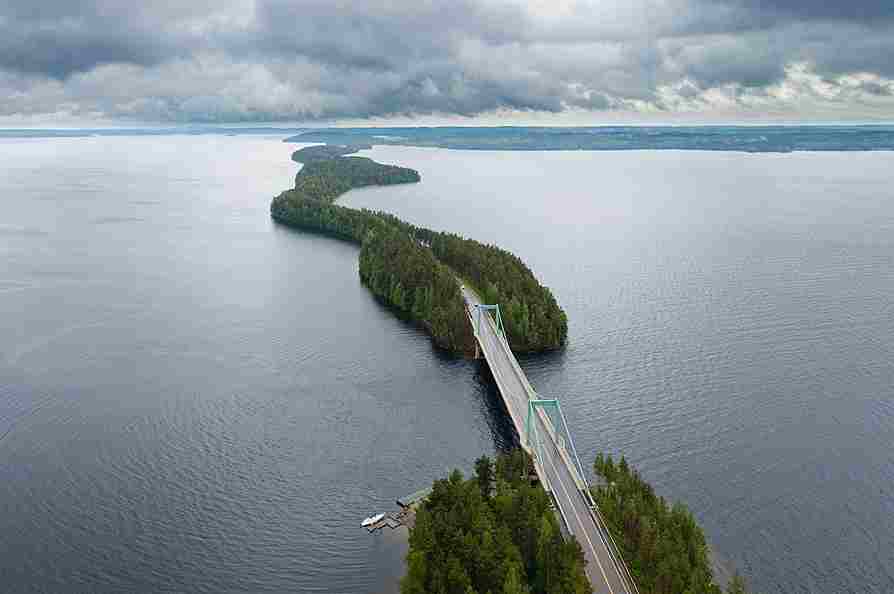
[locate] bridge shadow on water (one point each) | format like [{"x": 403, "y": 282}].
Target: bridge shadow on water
[
  {"x": 494, "y": 409},
  {"x": 486, "y": 392}
]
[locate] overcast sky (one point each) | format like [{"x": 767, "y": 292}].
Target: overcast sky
[{"x": 487, "y": 61}]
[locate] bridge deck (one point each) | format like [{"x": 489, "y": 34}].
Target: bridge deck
[{"x": 555, "y": 465}]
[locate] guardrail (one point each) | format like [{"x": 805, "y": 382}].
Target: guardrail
[{"x": 583, "y": 484}]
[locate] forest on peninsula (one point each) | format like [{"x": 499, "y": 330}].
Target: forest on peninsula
[
  {"x": 492, "y": 533},
  {"x": 663, "y": 545},
  {"x": 413, "y": 269},
  {"x": 496, "y": 533}
]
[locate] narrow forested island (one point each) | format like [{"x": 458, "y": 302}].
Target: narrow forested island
[
  {"x": 322, "y": 152},
  {"x": 493, "y": 533},
  {"x": 663, "y": 545},
  {"x": 496, "y": 533},
  {"x": 413, "y": 269}
]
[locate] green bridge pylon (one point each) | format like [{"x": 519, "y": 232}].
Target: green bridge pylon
[
  {"x": 498, "y": 319},
  {"x": 534, "y": 441}
]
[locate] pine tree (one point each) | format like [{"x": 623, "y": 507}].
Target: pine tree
[
  {"x": 736, "y": 585},
  {"x": 484, "y": 472},
  {"x": 513, "y": 583}
]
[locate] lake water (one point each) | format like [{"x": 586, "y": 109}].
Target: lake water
[{"x": 195, "y": 399}]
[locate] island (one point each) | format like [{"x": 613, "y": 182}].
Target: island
[
  {"x": 416, "y": 270},
  {"x": 323, "y": 152},
  {"x": 496, "y": 532},
  {"x": 663, "y": 545},
  {"x": 493, "y": 533}
]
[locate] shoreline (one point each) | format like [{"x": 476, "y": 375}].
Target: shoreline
[{"x": 414, "y": 269}]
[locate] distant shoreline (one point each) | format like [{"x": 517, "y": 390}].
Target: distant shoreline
[{"x": 741, "y": 139}]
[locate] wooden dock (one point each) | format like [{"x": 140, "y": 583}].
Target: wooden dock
[{"x": 406, "y": 516}]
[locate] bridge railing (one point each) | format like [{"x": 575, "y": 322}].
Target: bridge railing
[
  {"x": 614, "y": 550},
  {"x": 584, "y": 485}
]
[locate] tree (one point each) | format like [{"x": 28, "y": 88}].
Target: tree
[
  {"x": 513, "y": 583},
  {"x": 662, "y": 544},
  {"x": 470, "y": 536},
  {"x": 484, "y": 473},
  {"x": 545, "y": 564},
  {"x": 736, "y": 585},
  {"x": 416, "y": 577}
]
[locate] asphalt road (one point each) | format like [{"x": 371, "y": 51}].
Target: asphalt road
[{"x": 605, "y": 576}]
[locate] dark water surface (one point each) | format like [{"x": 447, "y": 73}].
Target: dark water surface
[
  {"x": 731, "y": 327},
  {"x": 193, "y": 399}
]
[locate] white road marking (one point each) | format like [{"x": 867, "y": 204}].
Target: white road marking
[
  {"x": 501, "y": 380},
  {"x": 584, "y": 528}
]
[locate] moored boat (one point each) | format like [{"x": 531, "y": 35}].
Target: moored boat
[{"x": 372, "y": 520}]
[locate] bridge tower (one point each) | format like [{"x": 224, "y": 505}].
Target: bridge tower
[
  {"x": 498, "y": 319},
  {"x": 480, "y": 310},
  {"x": 558, "y": 426}
]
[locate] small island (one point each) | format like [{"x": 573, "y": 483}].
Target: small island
[
  {"x": 497, "y": 533},
  {"x": 663, "y": 545},
  {"x": 493, "y": 533},
  {"x": 413, "y": 269},
  {"x": 323, "y": 152}
]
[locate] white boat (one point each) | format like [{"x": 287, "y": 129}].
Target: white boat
[{"x": 371, "y": 520}]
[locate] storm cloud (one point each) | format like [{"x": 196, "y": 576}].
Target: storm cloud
[{"x": 276, "y": 60}]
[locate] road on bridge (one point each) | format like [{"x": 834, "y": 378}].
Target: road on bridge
[{"x": 606, "y": 577}]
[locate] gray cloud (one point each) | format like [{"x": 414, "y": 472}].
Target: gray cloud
[
  {"x": 254, "y": 60},
  {"x": 63, "y": 37}
]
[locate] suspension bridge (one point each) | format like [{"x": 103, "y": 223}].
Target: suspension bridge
[{"x": 544, "y": 434}]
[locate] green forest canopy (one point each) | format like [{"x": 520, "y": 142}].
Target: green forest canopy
[
  {"x": 322, "y": 152},
  {"x": 497, "y": 533},
  {"x": 663, "y": 545},
  {"x": 533, "y": 319},
  {"x": 493, "y": 533}
]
